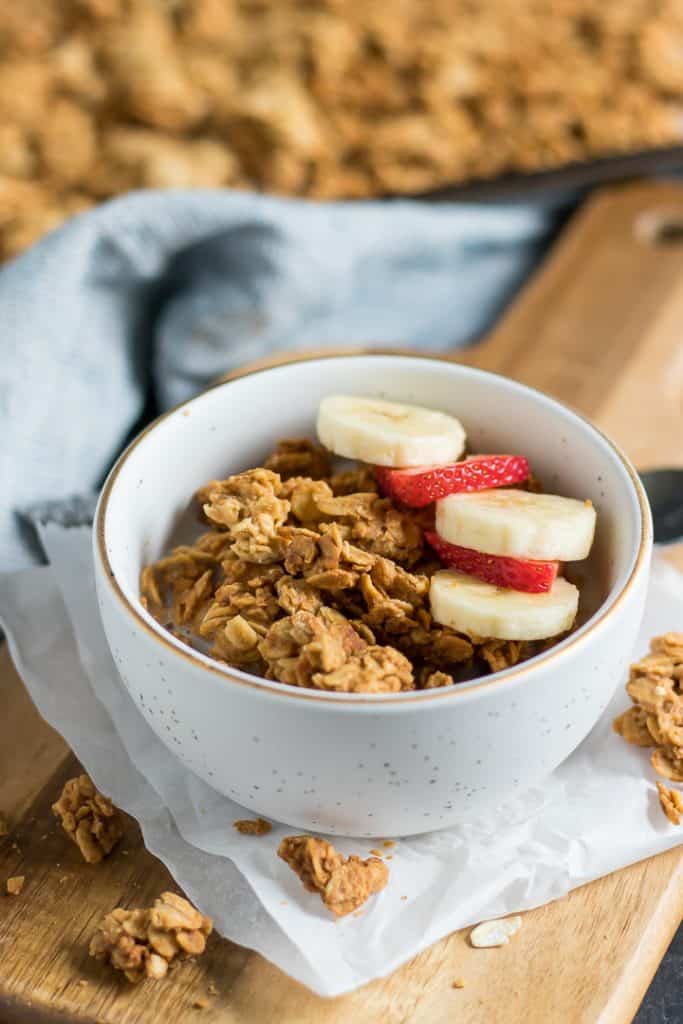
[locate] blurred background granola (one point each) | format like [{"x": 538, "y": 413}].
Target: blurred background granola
[{"x": 329, "y": 99}]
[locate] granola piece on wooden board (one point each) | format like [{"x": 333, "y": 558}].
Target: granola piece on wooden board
[
  {"x": 89, "y": 818},
  {"x": 656, "y": 718}
]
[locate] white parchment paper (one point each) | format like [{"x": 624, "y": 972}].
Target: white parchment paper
[{"x": 599, "y": 811}]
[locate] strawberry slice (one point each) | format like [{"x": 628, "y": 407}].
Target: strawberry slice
[
  {"x": 420, "y": 485},
  {"x": 526, "y": 574}
]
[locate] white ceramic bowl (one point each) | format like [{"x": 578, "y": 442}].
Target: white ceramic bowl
[{"x": 378, "y": 764}]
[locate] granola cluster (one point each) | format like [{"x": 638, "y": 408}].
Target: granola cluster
[
  {"x": 322, "y": 99},
  {"x": 344, "y": 883},
  {"x": 656, "y": 718},
  {"x": 142, "y": 943},
  {"x": 253, "y": 826},
  {"x": 15, "y": 886},
  {"x": 306, "y": 580},
  {"x": 671, "y": 802},
  {"x": 89, "y": 818}
]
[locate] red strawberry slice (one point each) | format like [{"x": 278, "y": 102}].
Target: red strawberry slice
[
  {"x": 420, "y": 485},
  {"x": 526, "y": 574}
]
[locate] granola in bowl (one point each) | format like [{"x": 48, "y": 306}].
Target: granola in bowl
[{"x": 370, "y": 578}]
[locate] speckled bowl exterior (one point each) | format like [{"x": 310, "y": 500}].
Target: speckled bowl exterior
[{"x": 372, "y": 765}]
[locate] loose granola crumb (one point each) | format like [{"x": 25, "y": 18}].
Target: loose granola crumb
[
  {"x": 671, "y": 801},
  {"x": 89, "y": 818},
  {"x": 377, "y": 853},
  {"x": 15, "y": 885},
  {"x": 200, "y": 1003},
  {"x": 142, "y": 943},
  {"x": 212, "y": 989},
  {"x": 404, "y": 897},
  {"x": 343, "y": 883},
  {"x": 388, "y": 843},
  {"x": 253, "y": 826},
  {"x": 458, "y": 983}
]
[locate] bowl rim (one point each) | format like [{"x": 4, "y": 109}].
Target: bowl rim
[{"x": 469, "y": 689}]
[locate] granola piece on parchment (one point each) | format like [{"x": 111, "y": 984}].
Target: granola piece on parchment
[
  {"x": 344, "y": 883},
  {"x": 655, "y": 688},
  {"x": 632, "y": 726},
  {"x": 299, "y": 458},
  {"x": 89, "y": 818},
  {"x": 671, "y": 801},
  {"x": 14, "y": 886},
  {"x": 253, "y": 826},
  {"x": 142, "y": 943},
  {"x": 668, "y": 762}
]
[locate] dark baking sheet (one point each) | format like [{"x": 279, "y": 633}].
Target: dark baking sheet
[{"x": 568, "y": 178}]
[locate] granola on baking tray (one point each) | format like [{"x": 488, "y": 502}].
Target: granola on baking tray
[
  {"x": 308, "y": 576},
  {"x": 323, "y": 99}
]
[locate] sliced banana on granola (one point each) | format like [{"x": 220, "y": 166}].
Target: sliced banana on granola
[
  {"x": 388, "y": 433},
  {"x": 480, "y": 609},
  {"x": 521, "y": 524}
]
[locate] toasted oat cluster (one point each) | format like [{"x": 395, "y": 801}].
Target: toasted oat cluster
[
  {"x": 309, "y": 577},
  {"x": 344, "y": 883},
  {"x": 14, "y": 886},
  {"x": 656, "y": 718},
  {"x": 671, "y": 802},
  {"x": 89, "y": 818},
  {"x": 323, "y": 99},
  {"x": 142, "y": 943},
  {"x": 253, "y": 826}
]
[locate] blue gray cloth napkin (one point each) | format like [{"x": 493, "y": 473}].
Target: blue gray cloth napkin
[{"x": 140, "y": 303}]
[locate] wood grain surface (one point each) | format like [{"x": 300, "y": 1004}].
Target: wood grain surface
[{"x": 599, "y": 327}]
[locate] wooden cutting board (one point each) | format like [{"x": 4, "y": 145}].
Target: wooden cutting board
[{"x": 601, "y": 326}]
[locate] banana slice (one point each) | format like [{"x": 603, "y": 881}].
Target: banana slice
[
  {"x": 518, "y": 523},
  {"x": 480, "y": 609},
  {"x": 388, "y": 433}
]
